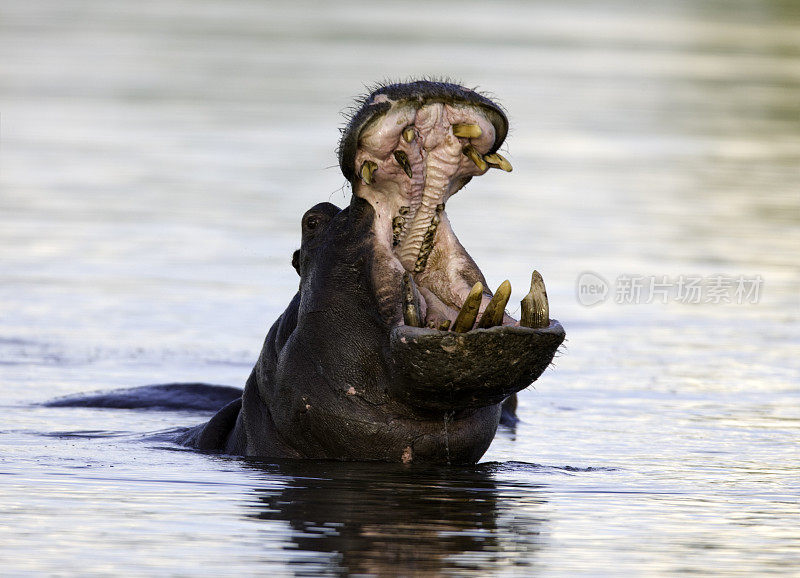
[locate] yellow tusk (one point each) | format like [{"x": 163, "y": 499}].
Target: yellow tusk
[
  {"x": 476, "y": 157},
  {"x": 368, "y": 169},
  {"x": 499, "y": 161},
  {"x": 493, "y": 314},
  {"x": 467, "y": 130},
  {"x": 469, "y": 311}
]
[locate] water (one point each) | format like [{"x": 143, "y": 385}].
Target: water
[{"x": 155, "y": 159}]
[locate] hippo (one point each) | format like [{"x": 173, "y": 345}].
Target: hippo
[{"x": 394, "y": 348}]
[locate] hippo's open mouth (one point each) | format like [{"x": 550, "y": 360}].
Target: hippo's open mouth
[
  {"x": 393, "y": 348},
  {"x": 407, "y": 150}
]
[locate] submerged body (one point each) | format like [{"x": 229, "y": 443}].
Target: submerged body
[{"x": 393, "y": 348}]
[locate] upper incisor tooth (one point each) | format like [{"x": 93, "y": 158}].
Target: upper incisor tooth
[
  {"x": 499, "y": 161},
  {"x": 467, "y": 130},
  {"x": 368, "y": 168},
  {"x": 472, "y": 154}
]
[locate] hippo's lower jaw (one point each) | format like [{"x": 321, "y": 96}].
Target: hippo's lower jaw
[
  {"x": 452, "y": 344},
  {"x": 440, "y": 370},
  {"x": 467, "y": 364}
]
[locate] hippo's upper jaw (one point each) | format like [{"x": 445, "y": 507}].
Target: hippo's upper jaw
[{"x": 407, "y": 151}]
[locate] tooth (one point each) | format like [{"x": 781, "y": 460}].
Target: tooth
[
  {"x": 409, "y": 134},
  {"x": 397, "y": 229},
  {"x": 427, "y": 241},
  {"x": 499, "y": 161},
  {"x": 493, "y": 314},
  {"x": 469, "y": 311},
  {"x": 535, "y": 309},
  {"x": 467, "y": 130},
  {"x": 411, "y": 314},
  {"x": 445, "y": 326},
  {"x": 402, "y": 160},
  {"x": 368, "y": 169},
  {"x": 475, "y": 157}
]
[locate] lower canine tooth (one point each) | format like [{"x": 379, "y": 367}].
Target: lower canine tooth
[
  {"x": 469, "y": 311},
  {"x": 535, "y": 308},
  {"x": 473, "y": 155},
  {"x": 411, "y": 314},
  {"x": 493, "y": 314}
]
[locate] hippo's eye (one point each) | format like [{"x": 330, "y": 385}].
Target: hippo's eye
[{"x": 312, "y": 223}]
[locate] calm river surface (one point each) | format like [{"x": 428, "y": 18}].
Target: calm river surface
[{"x": 155, "y": 159}]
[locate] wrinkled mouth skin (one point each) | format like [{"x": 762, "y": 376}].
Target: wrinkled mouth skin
[{"x": 407, "y": 150}]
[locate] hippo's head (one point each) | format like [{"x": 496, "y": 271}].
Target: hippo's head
[{"x": 395, "y": 348}]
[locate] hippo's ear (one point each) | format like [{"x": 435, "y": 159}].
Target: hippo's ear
[{"x": 296, "y": 261}]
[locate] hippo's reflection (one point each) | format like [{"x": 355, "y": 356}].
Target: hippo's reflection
[{"x": 386, "y": 519}]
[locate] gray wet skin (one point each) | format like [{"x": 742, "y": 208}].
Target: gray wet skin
[{"x": 352, "y": 370}]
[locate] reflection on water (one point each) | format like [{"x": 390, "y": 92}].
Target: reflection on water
[
  {"x": 376, "y": 519},
  {"x": 155, "y": 159}
]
